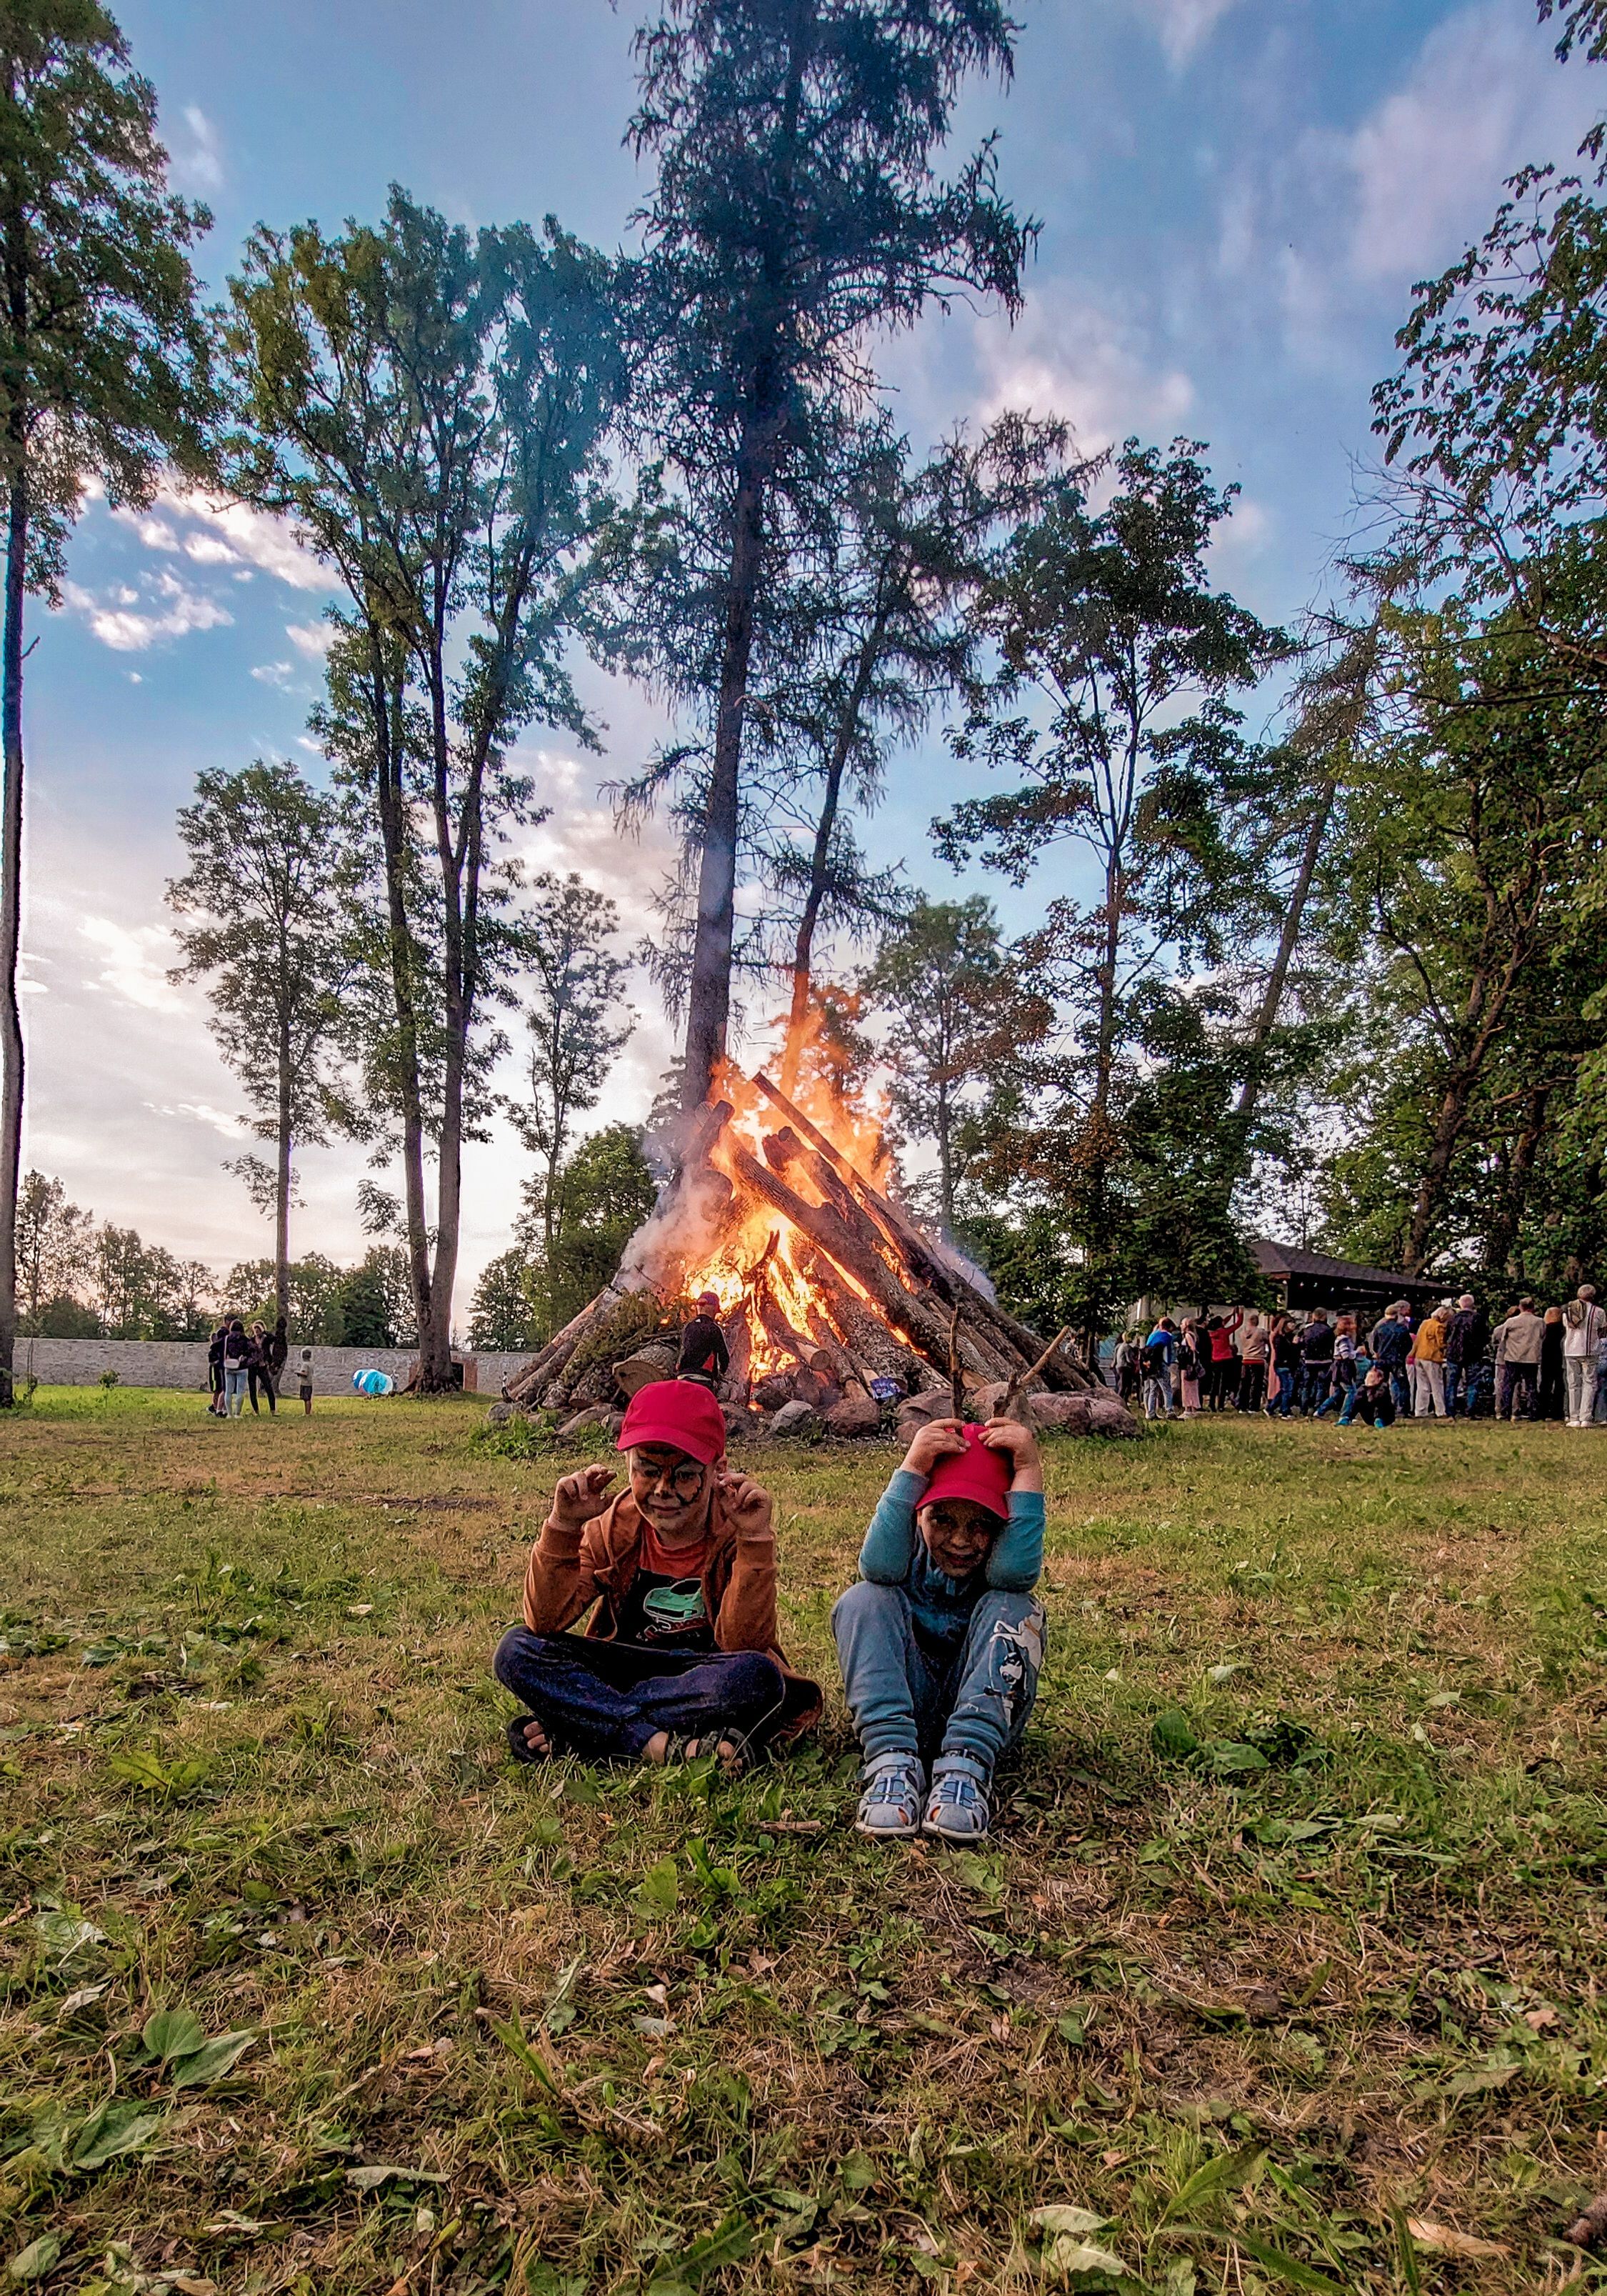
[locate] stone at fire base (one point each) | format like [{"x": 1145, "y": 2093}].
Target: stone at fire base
[
  {"x": 595, "y": 1417},
  {"x": 795, "y": 1418},
  {"x": 774, "y": 1389},
  {"x": 856, "y": 1414}
]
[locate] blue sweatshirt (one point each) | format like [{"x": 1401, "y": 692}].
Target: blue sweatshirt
[{"x": 893, "y": 1555}]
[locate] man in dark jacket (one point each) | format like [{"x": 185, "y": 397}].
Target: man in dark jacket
[
  {"x": 1466, "y": 1342},
  {"x": 704, "y": 1355},
  {"x": 1316, "y": 1360},
  {"x": 1389, "y": 1346}
]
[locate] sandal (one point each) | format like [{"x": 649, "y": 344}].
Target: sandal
[
  {"x": 696, "y": 1750},
  {"x": 521, "y": 1746}
]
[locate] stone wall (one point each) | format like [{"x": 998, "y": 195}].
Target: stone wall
[{"x": 182, "y": 1364}]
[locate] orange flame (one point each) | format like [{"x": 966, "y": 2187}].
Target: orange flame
[{"x": 762, "y": 1268}]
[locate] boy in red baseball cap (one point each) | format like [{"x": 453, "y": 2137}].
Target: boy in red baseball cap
[
  {"x": 682, "y": 1656},
  {"x": 941, "y": 1641}
]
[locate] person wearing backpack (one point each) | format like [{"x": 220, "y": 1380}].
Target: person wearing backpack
[
  {"x": 1159, "y": 1354},
  {"x": 1583, "y": 1326}
]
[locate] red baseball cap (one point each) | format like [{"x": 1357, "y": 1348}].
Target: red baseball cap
[
  {"x": 975, "y": 1474},
  {"x": 679, "y": 1412}
]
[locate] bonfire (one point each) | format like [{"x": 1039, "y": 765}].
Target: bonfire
[{"x": 838, "y": 1309}]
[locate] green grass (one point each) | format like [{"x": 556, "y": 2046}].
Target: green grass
[{"x": 1289, "y": 1935}]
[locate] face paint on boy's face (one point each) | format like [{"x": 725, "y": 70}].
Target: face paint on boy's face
[
  {"x": 958, "y": 1533},
  {"x": 669, "y": 1488}
]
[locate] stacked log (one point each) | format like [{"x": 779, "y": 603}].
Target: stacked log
[{"x": 887, "y": 1304}]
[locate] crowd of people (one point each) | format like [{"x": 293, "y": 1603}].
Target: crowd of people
[
  {"x": 1452, "y": 1361},
  {"x": 246, "y": 1363}
]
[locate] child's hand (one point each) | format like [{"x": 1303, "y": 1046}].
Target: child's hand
[
  {"x": 939, "y": 1439},
  {"x": 747, "y": 1506},
  {"x": 580, "y": 1498},
  {"x": 1019, "y": 1446}
]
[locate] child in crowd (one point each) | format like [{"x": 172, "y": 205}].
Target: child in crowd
[
  {"x": 1371, "y": 1399},
  {"x": 941, "y": 1640},
  {"x": 303, "y": 1381},
  {"x": 680, "y": 1656}
]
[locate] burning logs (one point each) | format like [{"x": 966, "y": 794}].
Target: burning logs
[{"x": 833, "y": 1301}]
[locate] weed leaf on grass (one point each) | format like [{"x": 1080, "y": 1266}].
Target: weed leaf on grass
[
  {"x": 118, "y": 2127},
  {"x": 172, "y": 2033},
  {"x": 658, "y": 1894},
  {"x": 681, "y": 2276},
  {"x": 211, "y": 2060},
  {"x": 1058, "y": 2218},
  {"x": 1288, "y": 2267},
  {"x": 1224, "y": 2169},
  {"x": 38, "y": 2258}
]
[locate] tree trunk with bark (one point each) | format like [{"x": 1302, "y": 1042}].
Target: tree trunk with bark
[
  {"x": 11, "y": 915},
  {"x": 803, "y": 953},
  {"x": 709, "y": 995}
]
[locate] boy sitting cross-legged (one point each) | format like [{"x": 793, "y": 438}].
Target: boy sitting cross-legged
[
  {"x": 680, "y": 1657},
  {"x": 941, "y": 1641}
]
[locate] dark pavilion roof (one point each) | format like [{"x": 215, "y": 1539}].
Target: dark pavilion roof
[{"x": 1281, "y": 1261}]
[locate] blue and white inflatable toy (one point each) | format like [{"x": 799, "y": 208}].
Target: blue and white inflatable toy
[{"x": 373, "y": 1382}]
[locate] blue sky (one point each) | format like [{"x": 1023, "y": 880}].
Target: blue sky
[{"x": 1236, "y": 196}]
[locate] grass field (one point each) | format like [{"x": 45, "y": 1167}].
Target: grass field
[{"x": 1281, "y": 1971}]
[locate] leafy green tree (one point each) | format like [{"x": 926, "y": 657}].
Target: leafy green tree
[
  {"x": 605, "y": 1190},
  {"x": 910, "y": 550},
  {"x": 312, "y": 1294},
  {"x": 578, "y": 1021},
  {"x": 103, "y": 375},
  {"x": 260, "y": 924},
  {"x": 374, "y": 1300},
  {"x": 960, "y": 1021},
  {"x": 143, "y": 1292},
  {"x": 503, "y": 1315},
  {"x": 795, "y": 211},
  {"x": 433, "y": 407},
  {"x": 54, "y": 1249},
  {"x": 1463, "y": 897},
  {"x": 1117, "y": 657}
]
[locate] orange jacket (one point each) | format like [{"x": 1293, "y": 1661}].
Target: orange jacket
[{"x": 570, "y": 1569}]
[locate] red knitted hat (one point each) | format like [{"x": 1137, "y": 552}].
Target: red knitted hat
[
  {"x": 975, "y": 1474},
  {"x": 679, "y": 1412}
]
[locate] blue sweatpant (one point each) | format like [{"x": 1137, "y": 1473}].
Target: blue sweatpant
[{"x": 907, "y": 1695}]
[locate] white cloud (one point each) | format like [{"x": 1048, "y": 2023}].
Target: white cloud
[
  {"x": 1485, "y": 96},
  {"x": 1183, "y": 26},
  {"x": 1071, "y": 357},
  {"x": 197, "y": 161},
  {"x": 313, "y": 639},
  {"x": 136, "y": 958},
  {"x": 274, "y": 673},
  {"x": 1333, "y": 224},
  {"x": 200, "y": 1113},
  {"x": 126, "y": 631},
  {"x": 213, "y": 530}
]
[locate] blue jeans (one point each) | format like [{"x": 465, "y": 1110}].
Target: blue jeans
[
  {"x": 907, "y": 1696},
  {"x": 1465, "y": 1383},
  {"x": 1280, "y": 1397},
  {"x": 605, "y": 1700},
  {"x": 233, "y": 1387},
  {"x": 1344, "y": 1380}
]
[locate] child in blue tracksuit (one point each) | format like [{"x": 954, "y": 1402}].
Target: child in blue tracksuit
[{"x": 942, "y": 1639}]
